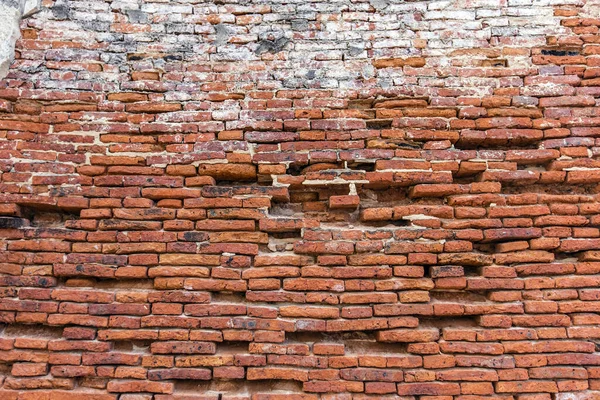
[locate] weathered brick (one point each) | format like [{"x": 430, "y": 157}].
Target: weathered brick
[{"x": 301, "y": 194}]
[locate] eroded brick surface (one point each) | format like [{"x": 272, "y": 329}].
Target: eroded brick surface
[{"x": 301, "y": 200}]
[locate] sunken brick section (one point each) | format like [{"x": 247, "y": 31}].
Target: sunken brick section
[{"x": 301, "y": 201}]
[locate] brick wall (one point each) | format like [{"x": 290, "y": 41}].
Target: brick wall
[{"x": 301, "y": 200}]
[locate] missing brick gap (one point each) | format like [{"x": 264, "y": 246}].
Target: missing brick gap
[
  {"x": 212, "y": 389},
  {"x": 289, "y": 210},
  {"x": 31, "y": 331},
  {"x": 229, "y": 298},
  {"x": 13, "y": 223},
  {"x": 451, "y": 322},
  {"x": 361, "y": 166},
  {"x": 126, "y": 284},
  {"x": 15, "y": 216},
  {"x": 458, "y": 297},
  {"x": 561, "y": 52}
]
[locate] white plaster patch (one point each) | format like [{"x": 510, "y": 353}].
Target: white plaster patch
[
  {"x": 583, "y": 395},
  {"x": 11, "y": 13},
  {"x": 591, "y": 9}
]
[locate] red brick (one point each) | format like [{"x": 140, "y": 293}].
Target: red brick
[
  {"x": 256, "y": 208},
  {"x": 430, "y": 389},
  {"x": 29, "y": 369}
]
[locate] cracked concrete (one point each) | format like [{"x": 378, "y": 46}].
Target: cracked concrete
[{"x": 11, "y": 12}]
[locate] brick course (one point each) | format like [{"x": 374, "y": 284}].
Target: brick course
[{"x": 327, "y": 200}]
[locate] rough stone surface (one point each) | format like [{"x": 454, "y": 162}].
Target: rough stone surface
[
  {"x": 11, "y": 12},
  {"x": 300, "y": 200},
  {"x": 9, "y": 33}
]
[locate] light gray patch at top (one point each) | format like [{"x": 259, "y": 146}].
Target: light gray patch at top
[
  {"x": 368, "y": 71},
  {"x": 271, "y": 46},
  {"x": 386, "y": 84},
  {"x": 137, "y": 16},
  {"x": 379, "y": 4},
  {"x": 299, "y": 25},
  {"x": 61, "y": 11},
  {"x": 11, "y": 3},
  {"x": 355, "y": 50},
  {"x": 222, "y": 35}
]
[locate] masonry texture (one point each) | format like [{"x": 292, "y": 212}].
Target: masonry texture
[{"x": 301, "y": 200}]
